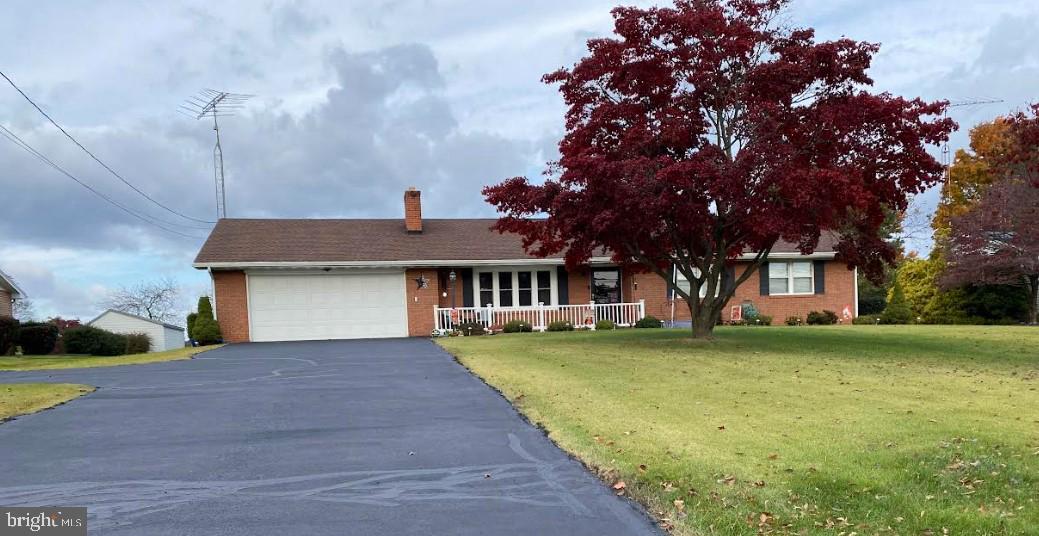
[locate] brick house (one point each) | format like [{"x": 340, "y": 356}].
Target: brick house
[
  {"x": 9, "y": 292},
  {"x": 304, "y": 279}
]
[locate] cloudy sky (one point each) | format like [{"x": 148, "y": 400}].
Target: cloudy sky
[{"x": 355, "y": 101}]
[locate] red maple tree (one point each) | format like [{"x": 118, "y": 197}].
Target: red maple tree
[
  {"x": 997, "y": 241},
  {"x": 707, "y": 130}
]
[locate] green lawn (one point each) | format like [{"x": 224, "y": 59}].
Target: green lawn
[
  {"x": 822, "y": 430},
  {"x": 46, "y": 362},
  {"x": 22, "y": 398}
]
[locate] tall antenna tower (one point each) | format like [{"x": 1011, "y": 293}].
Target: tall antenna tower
[
  {"x": 210, "y": 102},
  {"x": 946, "y": 159}
]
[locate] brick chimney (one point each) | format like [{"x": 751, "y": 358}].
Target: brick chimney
[{"x": 413, "y": 210}]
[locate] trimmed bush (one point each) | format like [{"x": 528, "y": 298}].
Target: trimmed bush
[
  {"x": 138, "y": 343},
  {"x": 37, "y": 338},
  {"x": 605, "y": 324},
  {"x": 649, "y": 321},
  {"x": 825, "y": 318},
  {"x": 866, "y": 320},
  {"x": 191, "y": 325},
  {"x": 205, "y": 329},
  {"x": 517, "y": 326},
  {"x": 560, "y": 325},
  {"x": 760, "y": 320},
  {"x": 471, "y": 329},
  {"x": 94, "y": 341},
  {"x": 8, "y": 334},
  {"x": 793, "y": 321}
]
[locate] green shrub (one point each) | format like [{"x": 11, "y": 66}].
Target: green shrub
[
  {"x": 750, "y": 311},
  {"x": 205, "y": 329},
  {"x": 8, "y": 334},
  {"x": 761, "y": 320},
  {"x": 37, "y": 338},
  {"x": 863, "y": 320},
  {"x": 897, "y": 310},
  {"x": 605, "y": 324},
  {"x": 560, "y": 325},
  {"x": 649, "y": 321},
  {"x": 191, "y": 325},
  {"x": 94, "y": 341},
  {"x": 793, "y": 321},
  {"x": 517, "y": 326},
  {"x": 825, "y": 318},
  {"x": 138, "y": 343},
  {"x": 471, "y": 328}
]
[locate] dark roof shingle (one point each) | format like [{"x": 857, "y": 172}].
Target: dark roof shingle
[{"x": 369, "y": 240}]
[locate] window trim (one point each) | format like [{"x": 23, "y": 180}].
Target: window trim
[
  {"x": 680, "y": 277},
  {"x": 553, "y": 282},
  {"x": 790, "y": 278}
]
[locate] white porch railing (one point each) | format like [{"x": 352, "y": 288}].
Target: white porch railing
[{"x": 540, "y": 316}]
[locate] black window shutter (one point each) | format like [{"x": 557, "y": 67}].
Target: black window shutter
[
  {"x": 563, "y": 282},
  {"x": 763, "y": 273},
  {"x": 728, "y": 278},
  {"x": 467, "y": 287},
  {"x": 820, "y": 276},
  {"x": 669, "y": 293}
]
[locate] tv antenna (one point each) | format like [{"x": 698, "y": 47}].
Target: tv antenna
[
  {"x": 210, "y": 102},
  {"x": 946, "y": 160}
]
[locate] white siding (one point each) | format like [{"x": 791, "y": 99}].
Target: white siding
[{"x": 119, "y": 323}]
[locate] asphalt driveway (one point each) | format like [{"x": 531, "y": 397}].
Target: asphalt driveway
[{"x": 339, "y": 437}]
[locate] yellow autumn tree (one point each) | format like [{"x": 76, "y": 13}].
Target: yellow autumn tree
[{"x": 969, "y": 175}]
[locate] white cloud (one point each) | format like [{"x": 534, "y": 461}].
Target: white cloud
[{"x": 356, "y": 101}]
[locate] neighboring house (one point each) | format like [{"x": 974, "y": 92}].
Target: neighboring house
[
  {"x": 163, "y": 336},
  {"x": 9, "y": 292},
  {"x": 300, "y": 279}
]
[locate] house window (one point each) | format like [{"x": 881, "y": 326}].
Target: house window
[
  {"x": 684, "y": 284},
  {"x": 525, "y": 293},
  {"x": 606, "y": 286},
  {"x": 486, "y": 288},
  {"x": 545, "y": 287},
  {"x": 790, "y": 278},
  {"x": 505, "y": 289}
]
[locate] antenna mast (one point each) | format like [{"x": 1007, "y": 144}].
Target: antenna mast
[
  {"x": 216, "y": 104},
  {"x": 946, "y": 160}
]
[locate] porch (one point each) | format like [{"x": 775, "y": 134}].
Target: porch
[{"x": 540, "y": 316}]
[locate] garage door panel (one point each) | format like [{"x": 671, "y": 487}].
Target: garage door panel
[{"x": 327, "y": 306}]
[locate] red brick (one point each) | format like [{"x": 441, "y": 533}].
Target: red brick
[{"x": 232, "y": 305}]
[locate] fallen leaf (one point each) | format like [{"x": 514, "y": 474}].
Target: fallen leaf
[
  {"x": 620, "y": 485},
  {"x": 759, "y": 484},
  {"x": 722, "y": 427},
  {"x": 679, "y": 505},
  {"x": 642, "y": 468},
  {"x": 773, "y": 456}
]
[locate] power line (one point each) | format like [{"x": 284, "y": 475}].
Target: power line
[
  {"x": 13, "y": 138},
  {"x": 96, "y": 159}
]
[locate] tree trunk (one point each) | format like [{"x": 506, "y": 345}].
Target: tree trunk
[
  {"x": 1033, "y": 302},
  {"x": 704, "y": 319}
]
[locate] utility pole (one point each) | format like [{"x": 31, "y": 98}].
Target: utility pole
[{"x": 216, "y": 104}]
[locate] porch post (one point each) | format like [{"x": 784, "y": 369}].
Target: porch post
[
  {"x": 541, "y": 317},
  {"x": 595, "y": 315},
  {"x": 489, "y": 317},
  {"x": 642, "y": 309}
]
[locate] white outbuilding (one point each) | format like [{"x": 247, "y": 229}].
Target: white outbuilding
[{"x": 163, "y": 336}]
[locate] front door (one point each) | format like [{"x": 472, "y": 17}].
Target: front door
[{"x": 606, "y": 285}]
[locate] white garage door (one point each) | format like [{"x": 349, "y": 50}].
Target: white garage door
[{"x": 327, "y": 306}]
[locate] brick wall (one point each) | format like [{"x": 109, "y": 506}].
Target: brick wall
[
  {"x": 413, "y": 211},
  {"x": 578, "y": 286},
  {"x": 839, "y": 292},
  {"x": 232, "y": 305},
  {"x": 5, "y": 303},
  {"x": 421, "y": 301}
]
